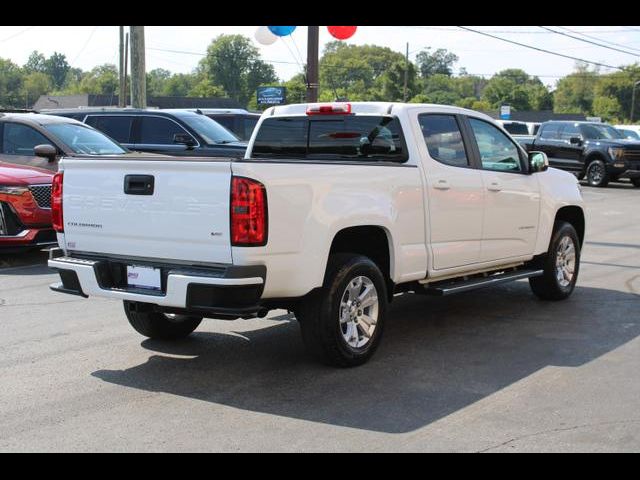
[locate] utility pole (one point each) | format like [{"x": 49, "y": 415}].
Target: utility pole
[
  {"x": 313, "y": 52},
  {"x": 406, "y": 75},
  {"x": 138, "y": 70},
  {"x": 126, "y": 67},
  {"x": 122, "y": 98}
]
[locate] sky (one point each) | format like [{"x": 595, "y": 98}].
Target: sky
[{"x": 88, "y": 46}]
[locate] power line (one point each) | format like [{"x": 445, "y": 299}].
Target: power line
[
  {"x": 589, "y": 41},
  {"x": 85, "y": 45},
  {"x": 540, "y": 49},
  {"x": 16, "y": 34},
  {"x": 600, "y": 39},
  {"x": 526, "y": 32}
]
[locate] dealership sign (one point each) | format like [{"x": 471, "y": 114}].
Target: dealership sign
[
  {"x": 272, "y": 95},
  {"x": 505, "y": 112}
]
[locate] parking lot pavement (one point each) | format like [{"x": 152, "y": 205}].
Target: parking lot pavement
[{"x": 491, "y": 370}]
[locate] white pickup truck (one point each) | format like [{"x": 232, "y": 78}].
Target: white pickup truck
[{"x": 336, "y": 209}]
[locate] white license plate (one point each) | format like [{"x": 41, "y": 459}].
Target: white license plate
[{"x": 143, "y": 277}]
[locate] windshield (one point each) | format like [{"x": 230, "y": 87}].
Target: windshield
[
  {"x": 630, "y": 134},
  {"x": 600, "y": 132},
  {"x": 211, "y": 131},
  {"x": 82, "y": 139}
]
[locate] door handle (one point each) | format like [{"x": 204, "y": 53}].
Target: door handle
[
  {"x": 442, "y": 185},
  {"x": 139, "y": 184},
  {"x": 494, "y": 186}
]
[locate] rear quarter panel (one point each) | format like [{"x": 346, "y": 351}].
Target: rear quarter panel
[{"x": 310, "y": 203}]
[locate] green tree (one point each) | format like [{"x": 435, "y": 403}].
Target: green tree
[
  {"x": 613, "y": 93},
  {"x": 180, "y": 85},
  {"x": 205, "y": 89},
  {"x": 11, "y": 79},
  {"x": 234, "y": 63},
  {"x": 516, "y": 88},
  {"x": 57, "y": 67},
  {"x": 101, "y": 80},
  {"x": 439, "y": 62},
  {"x": 34, "y": 85},
  {"x": 156, "y": 81},
  {"x": 574, "y": 93},
  {"x": 35, "y": 63}
]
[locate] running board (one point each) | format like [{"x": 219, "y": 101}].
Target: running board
[{"x": 449, "y": 288}]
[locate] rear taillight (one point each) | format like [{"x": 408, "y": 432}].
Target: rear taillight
[
  {"x": 248, "y": 213},
  {"x": 56, "y": 203}
]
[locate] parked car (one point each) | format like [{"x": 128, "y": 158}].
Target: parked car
[
  {"x": 240, "y": 122},
  {"x": 173, "y": 132},
  {"x": 593, "y": 150},
  {"x": 39, "y": 140},
  {"x": 334, "y": 209},
  {"x": 630, "y": 132},
  {"x": 514, "y": 128},
  {"x": 25, "y": 208}
]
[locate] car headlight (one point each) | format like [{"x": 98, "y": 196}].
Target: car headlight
[
  {"x": 616, "y": 153},
  {"x": 10, "y": 190}
]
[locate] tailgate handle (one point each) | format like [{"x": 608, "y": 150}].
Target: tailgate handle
[{"x": 139, "y": 184}]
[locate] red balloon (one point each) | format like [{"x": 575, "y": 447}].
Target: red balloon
[{"x": 342, "y": 33}]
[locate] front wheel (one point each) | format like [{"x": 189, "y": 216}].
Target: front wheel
[
  {"x": 159, "y": 326},
  {"x": 342, "y": 322},
  {"x": 597, "y": 175},
  {"x": 561, "y": 265}
]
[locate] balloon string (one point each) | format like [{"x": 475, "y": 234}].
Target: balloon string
[{"x": 294, "y": 57}]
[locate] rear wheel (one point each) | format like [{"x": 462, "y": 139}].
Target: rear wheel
[
  {"x": 342, "y": 322},
  {"x": 597, "y": 175},
  {"x": 561, "y": 265},
  {"x": 159, "y": 326}
]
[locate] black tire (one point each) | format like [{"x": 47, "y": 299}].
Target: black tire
[
  {"x": 159, "y": 326},
  {"x": 548, "y": 286},
  {"x": 319, "y": 313},
  {"x": 636, "y": 182},
  {"x": 597, "y": 175}
]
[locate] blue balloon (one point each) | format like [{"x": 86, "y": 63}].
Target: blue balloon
[{"x": 282, "y": 31}]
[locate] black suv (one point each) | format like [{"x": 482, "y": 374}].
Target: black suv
[
  {"x": 596, "y": 151},
  {"x": 171, "y": 132},
  {"x": 240, "y": 122}
]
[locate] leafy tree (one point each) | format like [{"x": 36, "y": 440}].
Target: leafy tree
[
  {"x": 205, "y": 88},
  {"x": 11, "y": 79},
  {"x": 35, "y": 63},
  {"x": 439, "y": 62},
  {"x": 57, "y": 67},
  {"x": 516, "y": 88},
  {"x": 101, "y": 80},
  {"x": 156, "y": 81},
  {"x": 179, "y": 85},
  {"x": 34, "y": 85},
  {"x": 234, "y": 63},
  {"x": 608, "y": 108},
  {"x": 574, "y": 93},
  {"x": 613, "y": 93}
]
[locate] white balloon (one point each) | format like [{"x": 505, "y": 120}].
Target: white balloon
[{"x": 265, "y": 37}]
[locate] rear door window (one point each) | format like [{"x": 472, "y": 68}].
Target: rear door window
[
  {"x": 158, "y": 131},
  {"x": 357, "y": 138},
  {"x": 117, "y": 127},
  {"x": 550, "y": 131},
  {"x": 18, "y": 139},
  {"x": 444, "y": 139}
]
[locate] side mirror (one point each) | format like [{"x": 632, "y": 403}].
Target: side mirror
[
  {"x": 184, "y": 139},
  {"x": 575, "y": 141},
  {"x": 538, "y": 162},
  {"x": 46, "y": 151}
]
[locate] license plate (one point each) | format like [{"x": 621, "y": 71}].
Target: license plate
[{"x": 143, "y": 277}]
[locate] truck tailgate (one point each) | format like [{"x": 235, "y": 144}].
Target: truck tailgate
[{"x": 148, "y": 209}]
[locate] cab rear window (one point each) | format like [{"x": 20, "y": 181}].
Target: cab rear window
[{"x": 355, "y": 138}]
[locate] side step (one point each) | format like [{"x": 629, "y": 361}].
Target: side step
[{"x": 464, "y": 285}]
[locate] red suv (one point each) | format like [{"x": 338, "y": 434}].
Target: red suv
[{"x": 25, "y": 207}]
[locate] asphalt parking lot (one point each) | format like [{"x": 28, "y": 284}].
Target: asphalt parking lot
[{"x": 492, "y": 370}]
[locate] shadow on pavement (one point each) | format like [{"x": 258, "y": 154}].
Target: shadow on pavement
[
  {"x": 438, "y": 356},
  {"x": 32, "y": 262}
]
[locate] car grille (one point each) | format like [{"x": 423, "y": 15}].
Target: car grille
[
  {"x": 632, "y": 155},
  {"x": 42, "y": 194}
]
